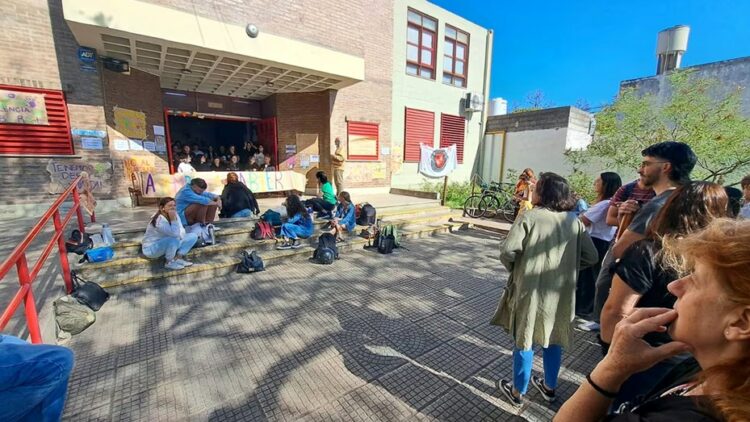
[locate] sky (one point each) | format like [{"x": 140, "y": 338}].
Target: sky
[{"x": 575, "y": 50}]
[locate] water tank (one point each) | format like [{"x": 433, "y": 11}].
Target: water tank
[
  {"x": 498, "y": 107},
  {"x": 671, "y": 44}
]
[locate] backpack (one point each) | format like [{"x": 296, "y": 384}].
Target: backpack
[
  {"x": 367, "y": 215},
  {"x": 71, "y": 316},
  {"x": 327, "y": 251},
  {"x": 206, "y": 234},
  {"x": 250, "y": 263},
  {"x": 263, "y": 230},
  {"x": 78, "y": 243},
  {"x": 388, "y": 239},
  {"x": 271, "y": 217}
]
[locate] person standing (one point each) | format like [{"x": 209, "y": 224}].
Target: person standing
[
  {"x": 337, "y": 162},
  {"x": 543, "y": 252},
  {"x": 665, "y": 166},
  {"x": 745, "y": 210},
  {"x": 595, "y": 220}
]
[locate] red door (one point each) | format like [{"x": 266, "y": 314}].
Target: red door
[{"x": 268, "y": 137}]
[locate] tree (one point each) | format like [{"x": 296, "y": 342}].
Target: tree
[
  {"x": 697, "y": 113},
  {"x": 535, "y": 100}
]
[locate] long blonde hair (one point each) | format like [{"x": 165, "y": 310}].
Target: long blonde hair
[{"x": 724, "y": 246}]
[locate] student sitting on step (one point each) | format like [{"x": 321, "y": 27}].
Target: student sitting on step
[
  {"x": 326, "y": 202},
  {"x": 344, "y": 218},
  {"x": 195, "y": 204},
  {"x": 165, "y": 236},
  {"x": 299, "y": 225},
  {"x": 237, "y": 199}
]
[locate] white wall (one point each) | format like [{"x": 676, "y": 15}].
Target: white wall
[{"x": 432, "y": 95}]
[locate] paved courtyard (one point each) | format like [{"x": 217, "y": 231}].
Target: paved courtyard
[{"x": 372, "y": 337}]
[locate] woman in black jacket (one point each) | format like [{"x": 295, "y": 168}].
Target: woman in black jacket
[{"x": 237, "y": 199}]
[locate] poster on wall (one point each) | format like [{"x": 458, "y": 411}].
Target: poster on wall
[
  {"x": 24, "y": 108},
  {"x": 437, "y": 162},
  {"x": 130, "y": 123},
  {"x": 158, "y": 130},
  {"x": 149, "y": 145},
  {"x": 62, "y": 173}
]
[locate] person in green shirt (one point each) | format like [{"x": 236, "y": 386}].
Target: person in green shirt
[{"x": 325, "y": 202}]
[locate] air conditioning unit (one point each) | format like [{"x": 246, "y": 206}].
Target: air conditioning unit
[{"x": 473, "y": 102}]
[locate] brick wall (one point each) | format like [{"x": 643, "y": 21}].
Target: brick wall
[
  {"x": 139, "y": 91},
  {"x": 367, "y": 33}
]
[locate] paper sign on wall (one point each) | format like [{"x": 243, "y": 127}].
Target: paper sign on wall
[
  {"x": 121, "y": 145},
  {"x": 161, "y": 144},
  {"x": 149, "y": 145},
  {"x": 135, "y": 145},
  {"x": 385, "y": 151},
  {"x": 92, "y": 143},
  {"x": 315, "y": 158},
  {"x": 158, "y": 130}
]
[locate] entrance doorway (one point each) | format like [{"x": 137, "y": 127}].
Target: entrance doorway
[{"x": 215, "y": 135}]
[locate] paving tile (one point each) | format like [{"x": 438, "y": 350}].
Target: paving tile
[
  {"x": 369, "y": 403},
  {"x": 414, "y": 385},
  {"x": 97, "y": 388},
  {"x": 461, "y": 404},
  {"x": 166, "y": 402},
  {"x": 451, "y": 362},
  {"x": 442, "y": 326}
]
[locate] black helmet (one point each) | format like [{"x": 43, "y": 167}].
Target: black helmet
[{"x": 325, "y": 256}]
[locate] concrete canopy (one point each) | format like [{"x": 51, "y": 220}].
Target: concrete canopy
[{"x": 192, "y": 53}]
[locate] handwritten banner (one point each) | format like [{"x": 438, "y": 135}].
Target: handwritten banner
[
  {"x": 130, "y": 123},
  {"x": 63, "y": 172},
  {"x": 157, "y": 185},
  {"x": 23, "y": 108}
]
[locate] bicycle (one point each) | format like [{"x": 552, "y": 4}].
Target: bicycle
[{"x": 496, "y": 198}]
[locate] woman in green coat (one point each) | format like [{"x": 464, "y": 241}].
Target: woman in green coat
[{"x": 543, "y": 252}]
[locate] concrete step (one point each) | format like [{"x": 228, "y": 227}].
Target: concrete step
[
  {"x": 207, "y": 267},
  {"x": 127, "y": 255},
  {"x": 240, "y": 226}
]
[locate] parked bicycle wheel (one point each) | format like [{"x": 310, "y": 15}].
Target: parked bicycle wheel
[
  {"x": 471, "y": 206},
  {"x": 508, "y": 210},
  {"x": 489, "y": 204}
]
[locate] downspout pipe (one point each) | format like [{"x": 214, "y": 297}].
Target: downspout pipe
[{"x": 486, "y": 93}]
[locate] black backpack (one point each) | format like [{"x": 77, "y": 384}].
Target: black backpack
[
  {"x": 251, "y": 262},
  {"x": 367, "y": 215},
  {"x": 87, "y": 292},
  {"x": 387, "y": 239},
  {"x": 327, "y": 250},
  {"x": 78, "y": 243}
]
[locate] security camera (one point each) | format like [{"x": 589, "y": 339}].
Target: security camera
[{"x": 251, "y": 30}]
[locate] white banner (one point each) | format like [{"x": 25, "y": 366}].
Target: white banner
[{"x": 437, "y": 162}]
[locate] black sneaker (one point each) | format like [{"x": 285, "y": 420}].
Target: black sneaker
[
  {"x": 296, "y": 244},
  {"x": 507, "y": 389},
  {"x": 547, "y": 393},
  {"x": 285, "y": 245}
]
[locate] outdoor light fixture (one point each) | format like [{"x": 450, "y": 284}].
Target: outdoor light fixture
[
  {"x": 251, "y": 30},
  {"x": 269, "y": 83},
  {"x": 186, "y": 71}
]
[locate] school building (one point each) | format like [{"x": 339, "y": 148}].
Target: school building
[{"x": 109, "y": 86}]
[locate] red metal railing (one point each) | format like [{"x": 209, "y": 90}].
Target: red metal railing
[{"x": 26, "y": 278}]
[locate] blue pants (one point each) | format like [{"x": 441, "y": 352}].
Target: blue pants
[
  {"x": 168, "y": 247},
  {"x": 294, "y": 231},
  {"x": 523, "y": 360},
  {"x": 242, "y": 213},
  {"x": 33, "y": 380}
]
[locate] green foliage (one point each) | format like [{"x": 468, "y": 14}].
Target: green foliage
[
  {"x": 582, "y": 184},
  {"x": 456, "y": 193},
  {"x": 695, "y": 114}
]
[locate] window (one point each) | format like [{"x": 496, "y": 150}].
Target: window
[
  {"x": 452, "y": 132},
  {"x": 419, "y": 128},
  {"x": 421, "y": 44},
  {"x": 455, "y": 57},
  {"x": 362, "y": 141},
  {"x": 50, "y": 132}
]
